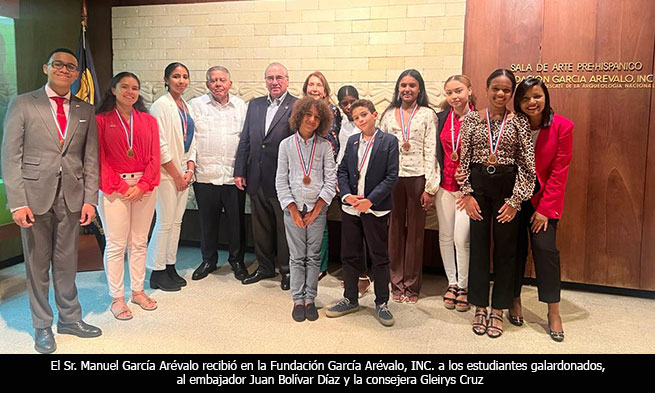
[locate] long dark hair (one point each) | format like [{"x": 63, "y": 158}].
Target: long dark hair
[
  {"x": 502, "y": 72},
  {"x": 109, "y": 100},
  {"x": 422, "y": 98},
  {"x": 522, "y": 89}
]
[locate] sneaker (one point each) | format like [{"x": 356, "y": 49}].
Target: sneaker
[
  {"x": 384, "y": 315},
  {"x": 342, "y": 308},
  {"x": 298, "y": 313},
  {"x": 311, "y": 313}
]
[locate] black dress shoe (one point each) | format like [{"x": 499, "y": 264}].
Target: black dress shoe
[
  {"x": 286, "y": 281},
  {"x": 172, "y": 273},
  {"x": 256, "y": 277},
  {"x": 159, "y": 279},
  {"x": 240, "y": 271},
  {"x": 203, "y": 271},
  {"x": 44, "y": 340},
  {"x": 298, "y": 313},
  {"x": 79, "y": 329}
]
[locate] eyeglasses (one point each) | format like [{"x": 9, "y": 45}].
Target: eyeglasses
[
  {"x": 278, "y": 78},
  {"x": 58, "y": 65}
]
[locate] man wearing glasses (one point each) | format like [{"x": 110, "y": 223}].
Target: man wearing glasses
[
  {"x": 50, "y": 170},
  {"x": 266, "y": 125}
]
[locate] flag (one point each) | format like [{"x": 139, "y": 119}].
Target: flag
[{"x": 86, "y": 85}]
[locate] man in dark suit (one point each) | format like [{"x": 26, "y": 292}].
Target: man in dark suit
[
  {"x": 266, "y": 125},
  {"x": 50, "y": 170}
]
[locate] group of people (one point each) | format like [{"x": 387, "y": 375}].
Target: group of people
[{"x": 296, "y": 159}]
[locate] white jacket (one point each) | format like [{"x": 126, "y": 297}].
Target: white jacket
[
  {"x": 171, "y": 140},
  {"x": 218, "y": 128}
]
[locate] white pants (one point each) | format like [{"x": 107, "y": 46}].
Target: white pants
[
  {"x": 126, "y": 224},
  {"x": 171, "y": 204},
  {"x": 454, "y": 229}
]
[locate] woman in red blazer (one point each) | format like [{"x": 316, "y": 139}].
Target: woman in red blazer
[{"x": 552, "y": 136}]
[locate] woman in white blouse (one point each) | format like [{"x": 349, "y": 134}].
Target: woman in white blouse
[
  {"x": 176, "y": 129},
  {"x": 414, "y": 123}
]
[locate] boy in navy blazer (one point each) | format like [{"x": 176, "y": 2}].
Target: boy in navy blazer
[{"x": 366, "y": 176}]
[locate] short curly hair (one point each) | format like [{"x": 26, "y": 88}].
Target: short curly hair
[{"x": 303, "y": 106}]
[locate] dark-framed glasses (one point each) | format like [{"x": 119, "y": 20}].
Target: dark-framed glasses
[{"x": 57, "y": 64}]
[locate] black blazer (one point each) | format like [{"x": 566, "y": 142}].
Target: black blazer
[
  {"x": 381, "y": 172},
  {"x": 256, "y": 158}
]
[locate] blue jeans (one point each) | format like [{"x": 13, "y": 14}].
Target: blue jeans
[{"x": 304, "y": 256}]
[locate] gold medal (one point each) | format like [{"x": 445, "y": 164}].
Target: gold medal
[
  {"x": 306, "y": 180},
  {"x": 492, "y": 159},
  {"x": 130, "y": 152},
  {"x": 454, "y": 156}
]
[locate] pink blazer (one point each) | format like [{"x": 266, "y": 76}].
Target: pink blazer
[{"x": 553, "y": 152}]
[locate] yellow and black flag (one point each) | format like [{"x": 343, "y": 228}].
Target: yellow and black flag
[{"x": 86, "y": 85}]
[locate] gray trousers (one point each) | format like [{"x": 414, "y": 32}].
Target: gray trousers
[
  {"x": 305, "y": 256},
  {"x": 52, "y": 237}
]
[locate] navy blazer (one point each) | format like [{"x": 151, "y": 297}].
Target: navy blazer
[
  {"x": 381, "y": 172},
  {"x": 256, "y": 158}
]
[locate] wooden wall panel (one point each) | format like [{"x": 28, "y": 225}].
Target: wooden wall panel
[{"x": 608, "y": 228}]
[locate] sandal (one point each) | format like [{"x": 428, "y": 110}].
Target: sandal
[
  {"x": 120, "y": 310},
  {"x": 515, "y": 320},
  {"x": 462, "y": 305},
  {"x": 480, "y": 325},
  {"x": 450, "y": 302},
  {"x": 495, "y": 331},
  {"x": 142, "y": 300},
  {"x": 363, "y": 286}
]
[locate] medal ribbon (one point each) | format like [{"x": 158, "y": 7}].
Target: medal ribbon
[
  {"x": 185, "y": 124},
  {"x": 409, "y": 122},
  {"x": 130, "y": 137},
  {"x": 452, "y": 129},
  {"x": 500, "y": 134},
  {"x": 306, "y": 169},
  {"x": 62, "y": 134},
  {"x": 368, "y": 149}
]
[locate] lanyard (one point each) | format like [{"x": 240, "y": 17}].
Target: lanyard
[
  {"x": 306, "y": 169},
  {"x": 368, "y": 149},
  {"x": 130, "y": 136}
]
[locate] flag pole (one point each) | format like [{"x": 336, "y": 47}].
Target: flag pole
[{"x": 84, "y": 23}]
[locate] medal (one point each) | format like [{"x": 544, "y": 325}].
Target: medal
[
  {"x": 306, "y": 169},
  {"x": 62, "y": 133},
  {"x": 128, "y": 135},
  {"x": 455, "y": 143},
  {"x": 405, "y": 129},
  {"x": 454, "y": 156},
  {"x": 493, "y": 147}
]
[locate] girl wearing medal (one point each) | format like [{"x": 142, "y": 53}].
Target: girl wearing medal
[
  {"x": 128, "y": 150},
  {"x": 497, "y": 160},
  {"x": 552, "y": 135},
  {"x": 414, "y": 123},
  {"x": 176, "y": 129},
  {"x": 306, "y": 184},
  {"x": 454, "y": 229}
]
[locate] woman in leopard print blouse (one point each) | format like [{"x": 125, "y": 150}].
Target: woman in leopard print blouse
[{"x": 498, "y": 162}]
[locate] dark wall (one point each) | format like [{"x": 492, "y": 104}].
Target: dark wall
[{"x": 42, "y": 26}]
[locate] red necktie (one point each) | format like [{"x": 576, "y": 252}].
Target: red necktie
[{"x": 61, "y": 118}]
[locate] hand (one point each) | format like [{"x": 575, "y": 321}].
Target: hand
[
  {"x": 134, "y": 194},
  {"x": 88, "y": 214},
  {"x": 310, "y": 217},
  {"x": 353, "y": 199},
  {"x": 427, "y": 201},
  {"x": 539, "y": 222},
  {"x": 23, "y": 217},
  {"x": 472, "y": 208},
  {"x": 180, "y": 183},
  {"x": 460, "y": 176},
  {"x": 459, "y": 204},
  {"x": 507, "y": 214},
  {"x": 188, "y": 176},
  {"x": 363, "y": 205},
  {"x": 295, "y": 216},
  {"x": 240, "y": 182}
]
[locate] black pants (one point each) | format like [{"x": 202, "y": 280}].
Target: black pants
[
  {"x": 356, "y": 232},
  {"x": 212, "y": 199},
  {"x": 490, "y": 191},
  {"x": 269, "y": 233},
  {"x": 544, "y": 253}
]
